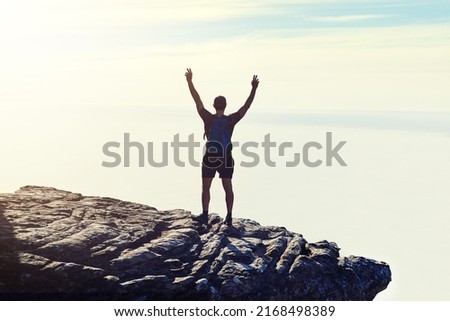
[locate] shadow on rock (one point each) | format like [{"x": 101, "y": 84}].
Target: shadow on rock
[{"x": 9, "y": 262}]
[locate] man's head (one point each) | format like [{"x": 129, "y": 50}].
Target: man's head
[{"x": 220, "y": 103}]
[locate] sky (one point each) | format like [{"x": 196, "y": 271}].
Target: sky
[
  {"x": 367, "y": 55},
  {"x": 77, "y": 74}
]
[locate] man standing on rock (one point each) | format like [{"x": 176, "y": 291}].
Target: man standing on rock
[{"x": 218, "y": 130}]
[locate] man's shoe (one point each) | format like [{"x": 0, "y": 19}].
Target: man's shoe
[
  {"x": 202, "y": 218},
  {"x": 228, "y": 220}
]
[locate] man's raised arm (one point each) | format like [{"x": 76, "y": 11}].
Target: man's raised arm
[
  {"x": 194, "y": 93},
  {"x": 248, "y": 102}
]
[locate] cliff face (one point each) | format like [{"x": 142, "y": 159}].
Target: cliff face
[{"x": 56, "y": 244}]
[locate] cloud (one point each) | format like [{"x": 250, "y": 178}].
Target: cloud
[
  {"x": 33, "y": 16},
  {"x": 348, "y": 18}
]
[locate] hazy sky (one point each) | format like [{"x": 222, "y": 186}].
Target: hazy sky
[
  {"x": 77, "y": 74},
  {"x": 389, "y": 55}
]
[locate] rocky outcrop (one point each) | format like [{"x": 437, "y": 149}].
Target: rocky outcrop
[{"x": 56, "y": 244}]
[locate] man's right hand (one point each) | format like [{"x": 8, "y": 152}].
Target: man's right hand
[{"x": 188, "y": 74}]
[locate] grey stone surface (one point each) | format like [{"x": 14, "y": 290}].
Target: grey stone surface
[{"x": 59, "y": 245}]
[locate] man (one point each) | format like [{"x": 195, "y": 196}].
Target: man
[{"x": 218, "y": 158}]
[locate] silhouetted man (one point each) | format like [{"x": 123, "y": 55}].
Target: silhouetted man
[{"x": 218, "y": 158}]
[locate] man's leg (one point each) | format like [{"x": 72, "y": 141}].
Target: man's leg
[
  {"x": 229, "y": 197},
  {"x": 206, "y": 185}
]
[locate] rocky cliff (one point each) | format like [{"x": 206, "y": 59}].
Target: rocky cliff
[{"x": 56, "y": 244}]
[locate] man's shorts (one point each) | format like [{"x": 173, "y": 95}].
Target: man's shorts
[{"x": 211, "y": 164}]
